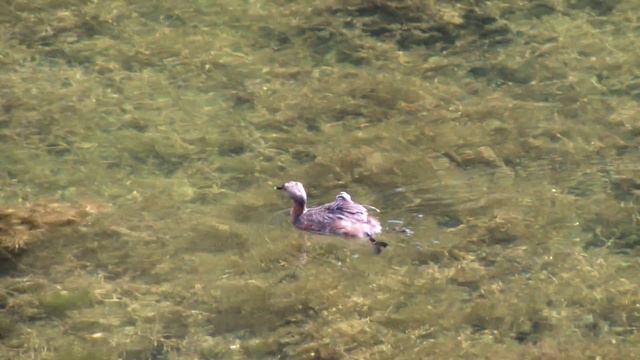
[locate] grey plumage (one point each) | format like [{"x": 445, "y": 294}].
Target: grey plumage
[{"x": 342, "y": 217}]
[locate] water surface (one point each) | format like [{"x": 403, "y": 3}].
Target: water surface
[{"x": 140, "y": 144}]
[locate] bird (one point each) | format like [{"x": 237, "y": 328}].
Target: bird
[{"x": 343, "y": 217}]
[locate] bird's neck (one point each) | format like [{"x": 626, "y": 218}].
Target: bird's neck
[{"x": 299, "y": 207}]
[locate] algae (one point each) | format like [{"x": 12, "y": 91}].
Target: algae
[
  {"x": 499, "y": 139},
  {"x": 60, "y": 302}
]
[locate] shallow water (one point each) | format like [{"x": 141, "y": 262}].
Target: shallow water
[{"x": 499, "y": 140}]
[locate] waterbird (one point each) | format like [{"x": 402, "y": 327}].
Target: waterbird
[{"x": 342, "y": 217}]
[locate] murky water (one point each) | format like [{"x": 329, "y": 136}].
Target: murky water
[{"x": 140, "y": 143}]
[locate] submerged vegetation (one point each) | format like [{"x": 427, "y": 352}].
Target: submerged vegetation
[{"x": 499, "y": 139}]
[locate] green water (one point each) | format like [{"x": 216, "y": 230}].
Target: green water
[{"x": 499, "y": 139}]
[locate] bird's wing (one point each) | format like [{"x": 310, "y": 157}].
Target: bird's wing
[{"x": 349, "y": 210}]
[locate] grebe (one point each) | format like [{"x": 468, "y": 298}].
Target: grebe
[{"x": 341, "y": 217}]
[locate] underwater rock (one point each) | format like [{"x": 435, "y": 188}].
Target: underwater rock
[
  {"x": 502, "y": 229},
  {"x": 498, "y": 74},
  {"x": 351, "y": 328},
  {"x": 214, "y": 237},
  {"x": 173, "y": 20},
  {"x": 428, "y": 256},
  {"x": 417, "y": 24},
  {"x": 599, "y": 7},
  {"x": 468, "y": 274},
  {"x": 6, "y": 327},
  {"x": 483, "y": 155},
  {"x": 540, "y": 9},
  {"x": 232, "y": 147},
  {"x": 20, "y": 226},
  {"x": 450, "y": 221},
  {"x": 626, "y": 119}
]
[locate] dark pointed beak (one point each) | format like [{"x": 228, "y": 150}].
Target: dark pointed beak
[{"x": 279, "y": 187}]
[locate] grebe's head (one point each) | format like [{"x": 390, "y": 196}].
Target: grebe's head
[
  {"x": 295, "y": 190},
  {"x": 343, "y": 196}
]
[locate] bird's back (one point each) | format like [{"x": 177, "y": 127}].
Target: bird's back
[{"x": 342, "y": 217}]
